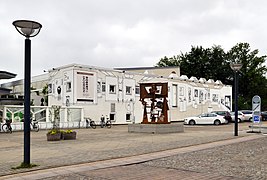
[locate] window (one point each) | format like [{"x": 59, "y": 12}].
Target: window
[
  {"x": 189, "y": 94},
  {"x": 68, "y": 87},
  {"x": 98, "y": 87},
  {"x": 196, "y": 93},
  {"x": 215, "y": 97},
  {"x": 128, "y": 117},
  {"x": 137, "y": 90},
  {"x": 112, "y": 117},
  {"x": 211, "y": 115},
  {"x": 112, "y": 107},
  {"x": 181, "y": 91},
  {"x": 204, "y": 115},
  {"x": 128, "y": 90},
  {"x": 103, "y": 87},
  {"x": 174, "y": 95},
  {"x": 49, "y": 88},
  {"x": 112, "y": 89}
]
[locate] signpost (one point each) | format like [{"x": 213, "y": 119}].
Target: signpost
[{"x": 256, "y": 108}]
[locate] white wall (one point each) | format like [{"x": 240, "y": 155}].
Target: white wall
[{"x": 96, "y": 102}]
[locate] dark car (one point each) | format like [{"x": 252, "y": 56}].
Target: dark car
[
  {"x": 226, "y": 115},
  {"x": 264, "y": 115}
]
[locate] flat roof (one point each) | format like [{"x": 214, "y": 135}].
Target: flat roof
[
  {"x": 146, "y": 68},
  {"x": 7, "y": 75}
]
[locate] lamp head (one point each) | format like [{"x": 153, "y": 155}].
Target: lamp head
[
  {"x": 236, "y": 66},
  {"x": 27, "y": 28}
]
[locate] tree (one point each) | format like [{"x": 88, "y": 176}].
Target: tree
[
  {"x": 252, "y": 80},
  {"x": 214, "y": 63},
  {"x": 199, "y": 62},
  {"x": 164, "y": 62}
]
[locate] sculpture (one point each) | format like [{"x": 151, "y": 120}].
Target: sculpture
[{"x": 154, "y": 96}]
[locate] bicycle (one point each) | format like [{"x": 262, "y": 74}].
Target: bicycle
[
  {"x": 7, "y": 126},
  {"x": 106, "y": 124},
  {"x": 90, "y": 123},
  {"x": 35, "y": 126}
]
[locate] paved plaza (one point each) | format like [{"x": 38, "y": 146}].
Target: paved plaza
[{"x": 201, "y": 152}]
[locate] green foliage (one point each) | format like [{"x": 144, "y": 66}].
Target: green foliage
[
  {"x": 214, "y": 63},
  {"x": 208, "y": 63},
  {"x": 23, "y": 165},
  {"x": 252, "y": 80},
  {"x": 54, "y": 131},
  {"x": 68, "y": 131}
]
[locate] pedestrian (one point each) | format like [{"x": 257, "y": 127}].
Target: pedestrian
[{"x": 102, "y": 121}]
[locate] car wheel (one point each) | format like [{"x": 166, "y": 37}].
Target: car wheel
[
  {"x": 192, "y": 122},
  {"x": 239, "y": 120},
  {"x": 250, "y": 119},
  {"x": 217, "y": 122}
]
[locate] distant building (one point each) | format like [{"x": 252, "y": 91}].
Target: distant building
[
  {"x": 115, "y": 92},
  {"x": 6, "y": 95}
]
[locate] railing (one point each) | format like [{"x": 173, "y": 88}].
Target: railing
[{"x": 69, "y": 117}]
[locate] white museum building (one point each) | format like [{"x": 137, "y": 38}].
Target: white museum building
[{"x": 82, "y": 91}]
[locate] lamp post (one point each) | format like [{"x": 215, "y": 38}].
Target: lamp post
[
  {"x": 236, "y": 67},
  {"x": 28, "y": 29}
]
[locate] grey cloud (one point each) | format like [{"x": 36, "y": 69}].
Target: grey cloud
[{"x": 124, "y": 32}]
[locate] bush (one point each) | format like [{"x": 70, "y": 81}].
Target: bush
[
  {"x": 68, "y": 131},
  {"x": 53, "y": 131}
]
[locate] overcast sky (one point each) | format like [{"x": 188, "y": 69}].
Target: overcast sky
[{"x": 125, "y": 33}]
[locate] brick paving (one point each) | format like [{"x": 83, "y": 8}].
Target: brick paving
[
  {"x": 140, "y": 172},
  {"x": 94, "y": 146}
]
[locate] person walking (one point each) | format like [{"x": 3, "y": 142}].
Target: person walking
[{"x": 102, "y": 121}]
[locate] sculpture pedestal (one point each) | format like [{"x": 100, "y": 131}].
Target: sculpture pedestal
[{"x": 156, "y": 128}]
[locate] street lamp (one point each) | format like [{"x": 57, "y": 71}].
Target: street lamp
[
  {"x": 236, "y": 67},
  {"x": 27, "y": 29}
]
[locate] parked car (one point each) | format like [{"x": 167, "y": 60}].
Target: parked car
[
  {"x": 240, "y": 117},
  {"x": 264, "y": 115},
  {"x": 226, "y": 114},
  {"x": 206, "y": 118},
  {"x": 247, "y": 115}
]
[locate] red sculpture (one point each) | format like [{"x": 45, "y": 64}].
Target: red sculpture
[{"x": 154, "y": 96}]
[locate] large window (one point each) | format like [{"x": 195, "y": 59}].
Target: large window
[
  {"x": 137, "y": 90},
  {"x": 128, "y": 90},
  {"x": 112, "y": 116},
  {"x": 174, "y": 95},
  {"x": 98, "y": 87},
  {"x": 68, "y": 87},
  {"x": 103, "y": 87},
  {"x": 112, "y": 89},
  {"x": 128, "y": 117},
  {"x": 50, "y": 87}
]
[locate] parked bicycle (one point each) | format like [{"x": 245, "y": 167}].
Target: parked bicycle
[
  {"x": 90, "y": 123},
  {"x": 104, "y": 123},
  {"x": 108, "y": 123},
  {"x": 34, "y": 125},
  {"x": 7, "y": 126}
]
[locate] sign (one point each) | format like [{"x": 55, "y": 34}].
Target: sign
[
  {"x": 256, "y": 103},
  {"x": 256, "y": 108},
  {"x": 85, "y": 86},
  {"x": 256, "y": 118}
]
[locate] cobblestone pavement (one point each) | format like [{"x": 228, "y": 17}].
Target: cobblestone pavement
[
  {"x": 101, "y": 144},
  {"x": 247, "y": 160},
  {"x": 141, "y": 172}
]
